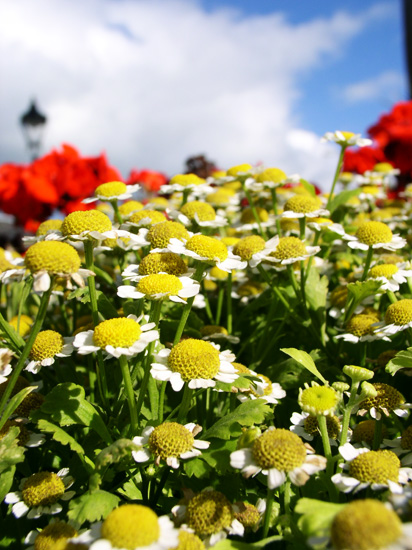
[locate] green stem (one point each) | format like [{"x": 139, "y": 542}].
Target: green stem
[
  {"x": 220, "y": 297},
  {"x": 188, "y": 306},
  {"x": 185, "y": 404},
  {"x": 129, "y": 393},
  {"x": 286, "y": 497},
  {"x": 377, "y": 435},
  {"x": 367, "y": 263},
  {"x": 275, "y": 210},
  {"x": 117, "y": 215},
  {"x": 310, "y": 260},
  {"x": 15, "y": 340},
  {"x": 302, "y": 228},
  {"x": 229, "y": 303},
  {"x": 254, "y": 212},
  {"x": 268, "y": 512},
  {"x": 336, "y": 176},
  {"x": 161, "y": 401},
  {"x": 160, "y": 486},
  {"x": 326, "y": 443},
  {"x": 346, "y": 418},
  {"x": 207, "y": 304},
  {"x": 41, "y": 314},
  {"x": 391, "y": 296}
]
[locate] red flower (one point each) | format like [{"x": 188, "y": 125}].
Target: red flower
[
  {"x": 360, "y": 160},
  {"x": 152, "y": 181}
]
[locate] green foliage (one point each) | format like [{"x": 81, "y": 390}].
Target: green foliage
[
  {"x": 91, "y": 507},
  {"x": 402, "y": 360},
  {"x": 246, "y": 414},
  {"x": 14, "y": 403},
  {"x": 10, "y": 455},
  {"x": 317, "y": 515},
  {"x": 119, "y": 450},
  {"x": 342, "y": 198},
  {"x": 306, "y": 360}
]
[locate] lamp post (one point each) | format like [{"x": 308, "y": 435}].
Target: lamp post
[{"x": 33, "y": 123}]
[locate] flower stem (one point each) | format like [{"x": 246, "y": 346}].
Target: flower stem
[
  {"x": 377, "y": 435},
  {"x": 185, "y": 405},
  {"x": 41, "y": 314},
  {"x": 129, "y": 393},
  {"x": 325, "y": 442},
  {"x": 275, "y": 210},
  {"x": 268, "y": 512},
  {"x": 117, "y": 215},
  {"x": 220, "y": 297},
  {"x": 367, "y": 263},
  {"x": 186, "y": 310},
  {"x": 229, "y": 303},
  {"x": 336, "y": 176},
  {"x": 254, "y": 212}
]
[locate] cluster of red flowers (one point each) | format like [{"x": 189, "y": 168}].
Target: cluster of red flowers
[
  {"x": 392, "y": 136},
  {"x": 60, "y": 181}
]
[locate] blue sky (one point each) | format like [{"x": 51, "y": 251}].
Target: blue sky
[{"x": 151, "y": 82}]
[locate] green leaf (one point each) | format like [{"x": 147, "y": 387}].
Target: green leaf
[
  {"x": 78, "y": 293},
  {"x": 130, "y": 491},
  {"x": 106, "y": 308},
  {"x": 196, "y": 467},
  {"x": 66, "y": 405},
  {"x": 60, "y": 435},
  {"x": 14, "y": 403},
  {"x": 316, "y": 290},
  {"x": 402, "y": 360},
  {"x": 309, "y": 187},
  {"x": 246, "y": 414},
  {"x": 11, "y": 452},
  {"x": 304, "y": 359},
  {"x": 342, "y": 198},
  {"x": 91, "y": 507},
  {"x": 360, "y": 290},
  {"x": 218, "y": 454},
  {"x": 317, "y": 515},
  {"x": 228, "y": 544},
  {"x": 6, "y": 481},
  {"x": 120, "y": 449}
]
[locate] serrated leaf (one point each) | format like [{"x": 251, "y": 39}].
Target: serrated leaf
[
  {"x": 120, "y": 449},
  {"x": 317, "y": 515},
  {"x": 11, "y": 452},
  {"x": 218, "y": 454},
  {"x": 60, "y": 435},
  {"x": 246, "y": 414},
  {"x": 14, "y": 403},
  {"x": 316, "y": 289},
  {"x": 402, "y": 360},
  {"x": 360, "y": 290},
  {"x": 305, "y": 360},
  {"x": 78, "y": 293},
  {"x": 196, "y": 467},
  {"x": 130, "y": 491},
  {"x": 342, "y": 198},
  {"x": 91, "y": 507},
  {"x": 66, "y": 405}
]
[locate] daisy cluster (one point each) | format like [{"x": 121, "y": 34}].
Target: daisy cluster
[{"x": 229, "y": 359}]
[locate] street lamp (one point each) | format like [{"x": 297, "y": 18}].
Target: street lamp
[{"x": 33, "y": 123}]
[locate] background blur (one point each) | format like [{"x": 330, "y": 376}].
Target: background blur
[{"x": 151, "y": 82}]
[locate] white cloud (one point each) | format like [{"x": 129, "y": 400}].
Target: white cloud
[
  {"x": 154, "y": 81},
  {"x": 386, "y": 86}
]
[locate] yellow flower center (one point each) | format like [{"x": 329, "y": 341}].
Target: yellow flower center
[
  {"x": 159, "y": 203},
  {"x": 364, "y": 525},
  {"x": 383, "y": 270},
  {"x": 239, "y": 169},
  {"x": 194, "y": 359},
  {"x": 248, "y": 246},
  {"x": 280, "y": 449},
  {"x": 347, "y": 135},
  {"x": 170, "y": 439},
  {"x": 207, "y": 330},
  {"x": 248, "y": 515},
  {"x": 371, "y": 233},
  {"x": 318, "y": 400},
  {"x": 388, "y": 398},
  {"x": 289, "y": 247},
  {"x": 42, "y": 489},
  {"x": 365, "y": 431},
  {"x": 233, "y": 185},
  {"x": 24, "y": 326},
  {"x": 110, "y": 189},
  {"x": 54, "y": 536},
  {"x": 24, "y": 433},
  {"x": 188, "y": 541},
  {"x": 120, "y": 332},
  {"x": 30, "y": 403},
  {"x": 46, "y": 345},
  {"x": 383, "y": 167},
  {"x": 159, "y": 283},
  {"x": 160, "y": 234},
  {"x": 338, "y": 296},
  {"x": 361, "y": 324},
  {"x": 52, "y": 256},
  {"x": 220, "y": 198},
  {"x": 162, "y": 262},
  {"x": 230, "y": 241},
  {"x": 406, "y": 438},
  {"x": 129, "y": 207},
  {"x": 88, "y": 220},
  {"x": 186, "y": 179},
  {"x": 274, "y": 175},
  {"x": 241, "y": 369},
  {"x": 375, "y": 467},
  {"x": 131, "y": 526},
  {"x": 153, "y": 216},
  {"x": 207, "y": 247},
  {"x": 248, "y": 216},
  {"x": 399, "y": 313},
  {"x": 251, "y": 288},
  {"x": 209, "y": 512},
  {"x": 217, "y": 273},
  {"x": 5, "y": 265},
  {"x": 48, "y": 225},
  {"x": 370, "y": 189},
  {"x": 302, "y": 204},
  {"x": 205, "y": 212},
  {"x": 311, "y": 425},
  {"x": 385, "y": 213}
]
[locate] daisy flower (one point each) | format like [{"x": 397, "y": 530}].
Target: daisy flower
[
  {"x": 185, "y": 182},
  {"x": 261, "y": 388},
  {"x": 198, "y": 212},
  {"x": 161, "y": 286},
  {"x": 278, "y": 454},
  {"x": 26, "y": 438},
  {"x": 5, "y": 366},
  {"x": 301, "y": 206},
  {"x": 376, "y": 469},
  {"x": 118, "y": 336},
  {"x": 362, "y": 328},
  {"x": 210, "y": 515},
  {"x": 217, "y": 333},
  {"x": 402, "y": 445},
  {"x": 346, "y": 139},
  {"x": 390, "y": 275},
  {"x": 306, "y": 426},
  {"x": 398, "y": 317},
  {"x": 369, "y": 523},
  {"x": 250, "y": 515},
  {"x": 289, "y": 250},
  {"x": 55, "y": 534},
  {"x": 48, "y": 345},
  {"x": 131, "y": 526},
  {"x": 158, "y": 235},
  {"x": 387, "y": 400},
  {"x": 144, "y": 218},
  {"x": 169, "y": 441},
  {"x": 39, "y": 494},
  {"x": 113, "y": 191},
  {"x": 207, "y": 249},
  {"x": 48, "y": 230},
  {"x": 254, "y": 249},
  {"x": 196, "y": 362},
  {"x": 157, "y": 262},
  {"x": 374, "y": 235},
  {"x": 88, "y": 224}
]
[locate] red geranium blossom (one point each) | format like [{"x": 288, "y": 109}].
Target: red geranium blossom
[{"x": 152, "y": 181}]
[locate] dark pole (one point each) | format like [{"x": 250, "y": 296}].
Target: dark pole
[
  {"x": 407, "y": 18},
  {"x": 33, "y": 123}
]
